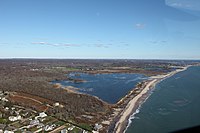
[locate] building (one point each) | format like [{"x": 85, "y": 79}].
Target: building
[
  {"x": 14, "y": 118},
  {"x": 34, "y": 122},
  {"x": 64, "y": 130},
  {"x": 42, "y": 115},
  {"x": 49, "y": 127},
  {"x": 7, "y": 131},
  {"x": 97, "y": 127},
  {"x": 56, "y": 104}
]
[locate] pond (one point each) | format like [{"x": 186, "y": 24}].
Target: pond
[{"x": 108, "y": 87}]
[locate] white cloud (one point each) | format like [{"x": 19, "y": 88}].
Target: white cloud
[
  {"x": 98, "y": 44},
  {"x": 3, "y": 43},
  {"x": 56, "y": 44},
  {"x": 158, "y": 42},
  {"x": 187, "y": 4},
  {"x": 70, "y": 45},
  {"x": 140, "y": 26},
  {"x": 40, "y": 43}
]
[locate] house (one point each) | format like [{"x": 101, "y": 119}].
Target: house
[
  {"x": 34, "y": 122},
  {"x": 49, "y": 128},
  {"x": 56, "y": 104},
  {"x": 97, "y": 127},
  {"x": 64, "y": 130},
  {"x": 4, "y": 99},
  {"x": 41, "y": 115},
  {"x": 7, "y": 131},
  {"x": 70, "y": 128},
  {"x": 14, "y": 118},
  {"x": 6, "y": 108},
  {"x": 95, "y": 132}
]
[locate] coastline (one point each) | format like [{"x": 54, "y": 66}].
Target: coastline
[{"x": 132, "y": 106}]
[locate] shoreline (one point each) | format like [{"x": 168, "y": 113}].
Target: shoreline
[{"x": 132, "y": 106}]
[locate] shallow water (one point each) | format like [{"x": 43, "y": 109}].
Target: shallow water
[
  {"x": 174, "y": 105},
  {"x": 108, "y": 87}
]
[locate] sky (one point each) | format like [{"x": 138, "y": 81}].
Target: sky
[{"x": 100, "y": 29}]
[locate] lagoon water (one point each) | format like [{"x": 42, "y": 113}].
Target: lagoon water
[
  {"x": 108, "y": 87},
  {"x": 173, "y": 105}
]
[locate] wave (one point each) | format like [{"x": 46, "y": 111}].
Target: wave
[{"x": 132, "y": 117}]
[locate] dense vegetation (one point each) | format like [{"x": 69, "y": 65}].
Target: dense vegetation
[{"x": 33, "y": 77}]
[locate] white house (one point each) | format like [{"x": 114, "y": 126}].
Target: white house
[
  {"x": 34, "y": 122},
  {"x": 56, "y": 104},
  {"x": 97, "y": 127},
  {"x": 14, "y": 118},
  {"x": 42, "y": 115},
  {"x": 7, "y": 131},
  {"x": 49, "y": 128},
  {"x": 95, "y": 132},
  {"x": 4, "y": 99},
  {"x": 64, "y": 130}
]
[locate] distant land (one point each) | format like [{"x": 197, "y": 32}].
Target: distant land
[{"x": 55, "y": 95}]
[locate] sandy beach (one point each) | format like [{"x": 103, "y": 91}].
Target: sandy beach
[{"x": 133, "y": 104}]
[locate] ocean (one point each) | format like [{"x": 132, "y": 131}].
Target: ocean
[
  {"x": 108, "y": 87},
  {"x": 174, "y": 104}
]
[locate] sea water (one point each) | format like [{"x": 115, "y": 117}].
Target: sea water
[{"x": 173, "y": 105}]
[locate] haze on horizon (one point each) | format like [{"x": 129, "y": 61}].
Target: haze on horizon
[{"x": 114, "y": 29}]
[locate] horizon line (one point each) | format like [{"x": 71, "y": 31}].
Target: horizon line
[{"x": 72, "y": 58}]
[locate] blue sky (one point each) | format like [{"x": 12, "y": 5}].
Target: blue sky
[{"x": 111, "y": 29}]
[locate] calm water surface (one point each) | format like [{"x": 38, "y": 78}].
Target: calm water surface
[
  {"x": 174, "y": 105},
  {"x": 108, "y": 87}
]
